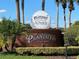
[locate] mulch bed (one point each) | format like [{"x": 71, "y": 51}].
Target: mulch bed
[{"x": 61, "y": 57}]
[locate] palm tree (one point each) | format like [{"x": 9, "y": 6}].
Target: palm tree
[
  {"x": 18, "y": 19},
  {"x": 18, "y": 11},
  {"x": 23, "y": 11},
  {"x": 64, "y": 8},
  {"x": 57, "y": 4},
  {"x": 71, "y": 8},
  {"x": 43, "y": 4}
]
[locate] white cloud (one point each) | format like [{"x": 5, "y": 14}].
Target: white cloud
[
  {"x": 0, "y": 19},
  {"x": 2, "y": 10}
]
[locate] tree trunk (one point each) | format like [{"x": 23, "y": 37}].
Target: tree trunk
[
  {"x": 17, "y": 11},
  {"x": 70, "y": 20},
  {"x": 13, "y": 42},
  {"x": 57, "y": 17},
  {"x": 64, "y": 21},
  {"x": 23, "y": 11},
  {"x": 43, "y": 5}
]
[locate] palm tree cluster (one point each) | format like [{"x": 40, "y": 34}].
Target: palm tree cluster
[{"x": 64, "y": 6}]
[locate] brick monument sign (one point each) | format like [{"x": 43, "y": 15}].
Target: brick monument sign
[{"x": 40, "y": 35}]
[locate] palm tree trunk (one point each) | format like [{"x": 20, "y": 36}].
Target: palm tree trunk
[
  {"x": 18, "y": 11},
  {"x": 70, "y": 20},
  {"x": 13, "y": 42},
  {"x": 43, "y": 4},
  {"x": 18, "y": 19},
  {"x": 23, "y": 11},
  {"x": 57, "y": 17},
  {"x": 64, "y": 21}
]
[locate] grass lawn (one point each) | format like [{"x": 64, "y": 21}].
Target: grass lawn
[{"x": 20, "y": 57}]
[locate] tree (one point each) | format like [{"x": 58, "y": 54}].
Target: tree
[
  {"x": 76, "y": 29},
  {"x": 23, "y": 11},
  {"x": 43, "y": 4},
  {"x": 64, "y": 8},
  {"x": 71, "y": 8},
  {"x": 6, "y": 30},
  {"x": 9, "y": 29},
  {"x": 73, "y": 35},
  {"x": 57, "y": 4},
  {"x": 76, "y": 23},
  {"x": 18, "y": 11}
]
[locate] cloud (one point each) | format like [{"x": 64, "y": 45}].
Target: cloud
[
  {"x": 0, "y": 19},
  {"x": 2, "y": 10}
]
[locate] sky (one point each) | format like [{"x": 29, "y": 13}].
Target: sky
[{"x": 8, "y": 10}]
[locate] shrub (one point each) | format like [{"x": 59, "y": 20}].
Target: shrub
[
  {"x": 48, "y": 50},
  {"x": 1, "y": 40},
  {"x": 70, "y": 38},
  {"x": 77, "y": 39}
]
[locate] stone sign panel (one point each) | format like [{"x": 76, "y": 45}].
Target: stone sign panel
[{"x": 41, "y": 38}]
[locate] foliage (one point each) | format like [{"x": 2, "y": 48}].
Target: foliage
[
  {"x": 76, "y": 23},
  {"x": 9, "y": 27},
  {"x": 1, "y": 41},
  {"x": 77, "y": 39},
  {"x": 28, "y": 26},
  {"x": 71, "y": 34},
  {"x": 48, "y": 50},
  {"x": 69, "y": 38}
]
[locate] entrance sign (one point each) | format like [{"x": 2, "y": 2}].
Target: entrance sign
[
  {"x": 40, "y": 20},
  {"x": 39, "y": 36}
]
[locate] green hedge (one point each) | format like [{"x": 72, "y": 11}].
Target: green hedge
[{"x": 48, "y": 50}]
